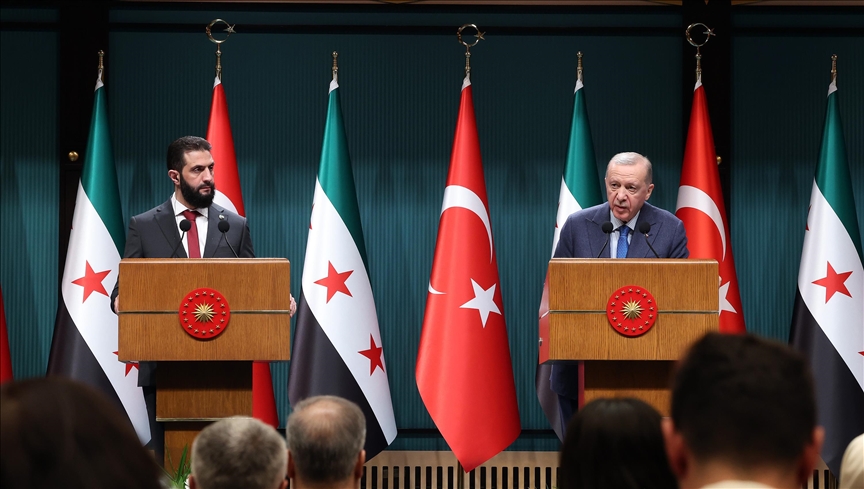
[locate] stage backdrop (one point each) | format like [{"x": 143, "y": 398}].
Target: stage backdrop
[{"x": 400, "y": 92}]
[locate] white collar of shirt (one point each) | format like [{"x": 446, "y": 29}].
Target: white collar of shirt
[
  {"x": 201, "y": 222},
  {"x": 616, "y": 233}
]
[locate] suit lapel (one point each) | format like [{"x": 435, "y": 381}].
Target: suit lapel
[
  {"x": 638, "y": 245},
  {"x": 597, "y": 237},
  {"x": 164, "y": 218},
  {"x": 213, "y": 233}
]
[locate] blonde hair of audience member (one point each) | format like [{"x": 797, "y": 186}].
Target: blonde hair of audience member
[
  {"x": 852, "y": 466},
  {"x": 743, "y": 415},
  {"x": 239, "y": 452},
  {"x": 55, "y": 432},
  {"x": 325, "y": 437}
]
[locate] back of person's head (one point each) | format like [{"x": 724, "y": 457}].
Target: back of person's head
[
  {"x": 238, "y": 452},
  {"x": 745, "y": 402},
  {"x": 615, "y": 444},
  {"x": 325, "y": 437},
  {"x": 58, "y": 433}
]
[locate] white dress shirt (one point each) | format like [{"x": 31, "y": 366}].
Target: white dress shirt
[{"x": 616, "y": 233}]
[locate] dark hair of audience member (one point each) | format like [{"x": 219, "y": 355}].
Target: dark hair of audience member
[
  {"x": 744, "y": 400},
  {"x": 615, "y": 444},
  {"x": 58, "y": 433}
]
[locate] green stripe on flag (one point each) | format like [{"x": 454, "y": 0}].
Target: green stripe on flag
[
  {"x": 99, "y": 176},
  {"x": 580, "y": 172},
  {"x": 832, "y": 174},
  {"x": 336, "y": 177}
]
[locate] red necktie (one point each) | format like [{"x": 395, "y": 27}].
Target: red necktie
[{"x": 192, "y": 235}]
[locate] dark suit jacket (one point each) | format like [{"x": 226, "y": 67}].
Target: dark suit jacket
[
  {"x": 154, "y": 234},
  {"x": 582, "y": 237}
]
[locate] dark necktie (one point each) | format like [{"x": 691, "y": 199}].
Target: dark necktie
[
  {"x": 192, "y": 235},
  {"x": 623, "y": 245}
]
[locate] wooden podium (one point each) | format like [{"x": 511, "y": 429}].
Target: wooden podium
[
  {"x": 615, "y": 365},
  {"x": 200, "y": 380}
]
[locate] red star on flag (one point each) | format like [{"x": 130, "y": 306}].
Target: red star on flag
[
  {"x": 374, "y": 355},
  {"x": 335, "y": 282},
  {"x": 833, "y": 283},
  {"x": 92, "y": 281},
  {"x": 129, "y": 366}
]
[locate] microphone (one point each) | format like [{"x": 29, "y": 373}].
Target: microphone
[
  {"x": 223, "y": 228},
  {"x": 644, "y": 228},
  {"x": 606, "y": 228},
  {"x": 185, "y": 225}
]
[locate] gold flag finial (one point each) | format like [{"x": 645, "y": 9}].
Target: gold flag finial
[
  {"x": 834, "y": 69},
  {"x": 579, "y": 65},
  {"x": 708, "y": 33},
  {"x": 478, "y": 35},
  {"x": 101, "y": 65},
  {"x": 209, "y": 30},
  {"x": 335, "y": 66}
]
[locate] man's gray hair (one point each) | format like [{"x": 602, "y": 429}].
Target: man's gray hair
[
  {"x": 631, "y": 158},
  {"x": 325, "y": 435},
  {"x": 239, "y": 452}
]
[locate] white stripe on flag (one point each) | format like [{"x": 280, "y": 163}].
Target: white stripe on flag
[
  {"x": 91, "y": 243},
  {"x": 331, "y": 242},
  {"x": 828, "y": 241}
]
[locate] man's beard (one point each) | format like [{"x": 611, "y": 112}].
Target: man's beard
[{"x": 194, "y": 197}]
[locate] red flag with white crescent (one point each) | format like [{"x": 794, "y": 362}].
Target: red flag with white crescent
[
  {"x": 229, "y": 195},
  {"x": 5, "y": 358},
  {"x": 701, "y": 208},
  {"x": 464, "y": 372}
]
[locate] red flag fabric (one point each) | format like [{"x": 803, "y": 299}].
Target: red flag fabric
[
  {"x": 701, "y": 208},
  {"x": 464, "y": 373},
  {"x": 229, "y": 195},
  {"x": 5, "y": 359}
]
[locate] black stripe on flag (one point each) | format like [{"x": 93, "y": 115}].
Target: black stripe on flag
[
  {"x": 71, "y": 357},
  {"x": 839, "y": 397},
  {"x": 317, "y": 369}
]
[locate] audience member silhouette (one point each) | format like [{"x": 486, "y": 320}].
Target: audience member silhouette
[
  {"x": 615, "y": 444},
  {"x": 57, "y": 433},
  {"x": 239, "y": 452},
  {"x": 743, "y": 415}
]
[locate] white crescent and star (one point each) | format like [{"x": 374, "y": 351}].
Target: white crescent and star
[
  {"x": 696, "y": 198},
  {"x": 457, "y": 196}
]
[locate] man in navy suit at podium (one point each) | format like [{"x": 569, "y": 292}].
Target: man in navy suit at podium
[{"x": 628, "y": 187}]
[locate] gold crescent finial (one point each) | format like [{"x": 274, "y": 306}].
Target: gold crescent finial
[
  {"x": 101, "y": 65},
  {"x": 708, "y": 33},
  {"x": 579, "y": 65},
  {"x": 834, "y": 69},
  {"x": 335, "y": 66},
  {"x": 209, "y": 31},
  {"x": 479, "y": 35}
]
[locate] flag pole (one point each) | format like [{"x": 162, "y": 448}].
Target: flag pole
[
  {"x": 101, "y": 65},
  {"x": 335, "y": 68},
  {"x": 209, "y": 30},
  {"x": 834, "y": 69}
]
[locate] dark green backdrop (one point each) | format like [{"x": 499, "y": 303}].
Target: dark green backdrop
[{"x": 400, "y": 94}]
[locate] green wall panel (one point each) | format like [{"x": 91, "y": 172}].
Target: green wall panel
[{"x": 29, "y": 195}]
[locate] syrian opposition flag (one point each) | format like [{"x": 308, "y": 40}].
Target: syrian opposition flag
[
  {"x": 701, "y": 208},
  {"x": 5, "y": 358},
  {"x": 84, "y": 346},
  {"x": 229, "y": 195},
  {"x": 337, "y": 346},
  {"x": 464, "y": 373},
  {"x": 579, "y": 189},
  {"x": 828, "y": 316}
]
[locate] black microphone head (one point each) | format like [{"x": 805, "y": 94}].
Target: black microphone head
[
  {"x": 644, "y": 227},
  {"x": 224, "y": 226},
  {"x": 185, "y": 225},
  {"x": 607, "y": 227}
]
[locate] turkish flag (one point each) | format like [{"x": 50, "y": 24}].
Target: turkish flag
[
  {"x": 701, "y": 208},
  {"x": 464, "y": 373},
  {"x": 229, "y": 195},
  {"x": 5, "y": 358}
]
